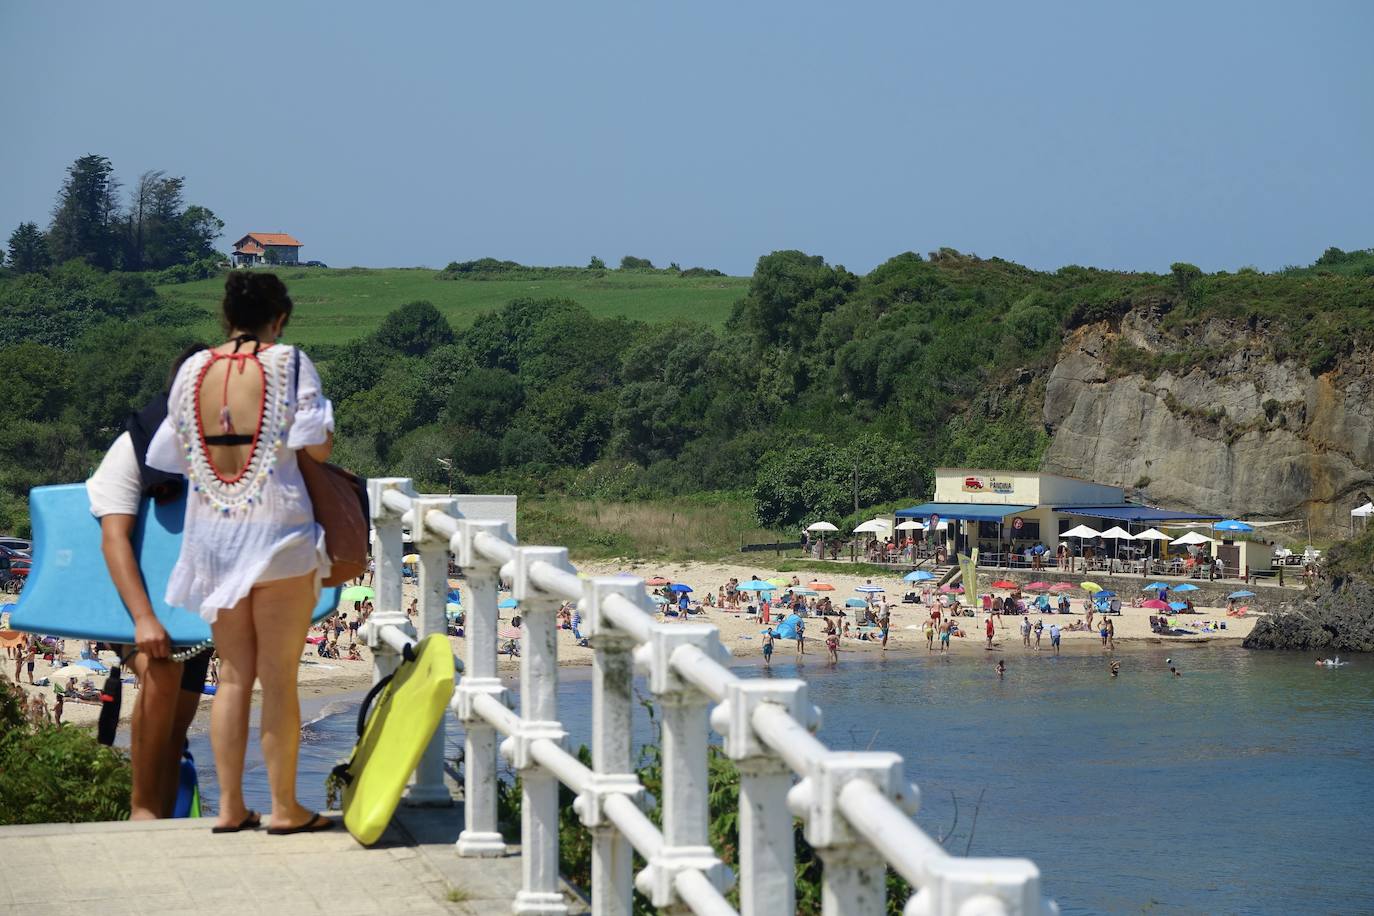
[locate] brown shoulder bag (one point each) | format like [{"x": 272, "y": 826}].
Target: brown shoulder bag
[{"x": 339, "y": 499}]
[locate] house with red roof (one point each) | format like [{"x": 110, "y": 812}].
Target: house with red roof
[{"x": 266, "y": 248}]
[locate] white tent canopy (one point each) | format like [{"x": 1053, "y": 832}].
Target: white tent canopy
[
  {"x": 1152, "y": 534},
  {"x": 1364, "y": 511},
  {"x": 910, "y": 525},
  {"x": 1116, "y": 533},
  {"x": 1082, "y": 531},
  {"x": 874, "y": 526},
  {"x": 821, "y": 526},
  {"x": 1192, "y": 537}
]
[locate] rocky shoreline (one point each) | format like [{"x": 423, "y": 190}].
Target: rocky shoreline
[{"x": 1339, "y": 618}]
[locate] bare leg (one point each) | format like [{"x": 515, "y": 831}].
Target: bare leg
[
  {"x": 281, "y": 615},
  {"x": 238, "y": 648},
  {"x": 159, "y": 683}
]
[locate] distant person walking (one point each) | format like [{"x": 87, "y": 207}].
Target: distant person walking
[
  {"x": 1054, "y": 637},
  {"x": 930, "y": 634},
  {"x": 944, "y": 636},
  {"x": 1025, "y": 631},
  {"x": 1039, "y": 628},
  {"x": 768, "y": 650},
  {"x": 801, "y": 636},
  {"x": 989, "y": 631}
]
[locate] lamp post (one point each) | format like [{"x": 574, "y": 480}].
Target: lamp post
[{"x": 447, "y": 465}]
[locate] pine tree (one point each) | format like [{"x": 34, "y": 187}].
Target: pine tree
[
  {"x": 85, "y": 220},
  {"x": 28, "y": 249}
]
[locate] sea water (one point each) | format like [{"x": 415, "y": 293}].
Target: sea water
[{"x": 1243, "y": 786}]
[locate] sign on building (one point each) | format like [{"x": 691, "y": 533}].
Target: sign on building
[{"x": 977, "y": 483}]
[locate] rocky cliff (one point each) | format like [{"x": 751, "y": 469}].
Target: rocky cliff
[{"x": 1206, "y": 420}]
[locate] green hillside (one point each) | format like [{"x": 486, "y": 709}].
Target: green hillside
[{"x": 336, "y": 306}]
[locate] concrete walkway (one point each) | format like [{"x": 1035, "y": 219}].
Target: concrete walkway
[{"x": 178, "y": 866}]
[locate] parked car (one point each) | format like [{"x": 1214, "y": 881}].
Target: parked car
[
  {"x": 19, "y": 545},
  {"x": 315, "y": 264}
]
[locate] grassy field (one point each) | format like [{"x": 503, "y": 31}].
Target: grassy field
[
  {"x": 705, "y": 528},
  {"x": 336, "y": 306}
]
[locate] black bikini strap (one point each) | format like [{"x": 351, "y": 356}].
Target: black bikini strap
[{"x": 245, "y": 338}]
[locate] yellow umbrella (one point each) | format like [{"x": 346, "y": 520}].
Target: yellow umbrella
[
  {"x": 779, "y": 582},
  {"x": 411, "y": 558},
  {"x": 1090, "y": 587}
]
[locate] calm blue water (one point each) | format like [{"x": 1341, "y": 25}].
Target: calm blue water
[{"x": 1241, "y": 787}]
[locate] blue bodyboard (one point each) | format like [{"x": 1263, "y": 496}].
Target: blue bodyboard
[{"x": 69, "y": 591}]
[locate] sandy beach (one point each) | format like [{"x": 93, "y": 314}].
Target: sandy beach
[{"x": 741, "y": 634}]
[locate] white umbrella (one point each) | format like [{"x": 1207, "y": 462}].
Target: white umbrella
[
  {"x": 70, "y": 671},
  {"x": 872, "y": 526},
  {"x": 821, "y": 526},
  {"x": 1080, "y": 532},
  {"x": 1192, "y": 537},
  {"x": 1117, "y": 534},
  {"x": 1364, "y": 511},
  {"x": 868, "y": 589},
  {"x": 910, "y": 525},
  {"x": 1152, "y": 534}
]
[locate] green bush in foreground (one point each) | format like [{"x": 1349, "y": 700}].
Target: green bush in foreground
[{"x": 56, "y": 773}]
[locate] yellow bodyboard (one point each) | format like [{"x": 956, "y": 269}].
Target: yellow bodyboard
[{"x": 403, "y": 718}]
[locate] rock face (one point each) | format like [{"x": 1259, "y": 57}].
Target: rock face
[
  {"x": 1340, "y": 619},
  {"x": 1242, "y": 435}
]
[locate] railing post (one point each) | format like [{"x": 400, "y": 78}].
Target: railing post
[
  {"x": 387, "y": 550},
  {"x": 766, "y": 847},
  {"x": 480, "y": 836},
  {"x": 428, "y": 788},
  {"x": 682, "y": 708},
  {"x": 612, "y": 748},
  {"x": 540, "y": 892},
  {"x": 854, "y": 877}
]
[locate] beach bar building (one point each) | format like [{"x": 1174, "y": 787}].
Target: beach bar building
[{"x": 1001, "y": 511}]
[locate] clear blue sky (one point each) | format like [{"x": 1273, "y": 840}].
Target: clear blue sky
[{"x": 709, "y": 133}]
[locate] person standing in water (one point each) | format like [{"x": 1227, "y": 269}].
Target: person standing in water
[
  {"x": 1054, "y": 637},
  {"x": 1025, "y": 631},
  {"x": 768, "y": 649}
]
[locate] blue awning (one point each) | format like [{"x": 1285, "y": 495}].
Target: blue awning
[
  {"x": 1133, "y": 513},
  {"x": 968, "y": 512}
]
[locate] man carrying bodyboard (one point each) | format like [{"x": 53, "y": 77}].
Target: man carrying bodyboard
[{"x": 169, "y": 691}]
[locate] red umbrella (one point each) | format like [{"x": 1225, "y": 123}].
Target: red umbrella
[
  {"x": 1062, "y": 587},
  {"x": 1003, "y": 583},
  {"x": 822, "y": 586},
  {"x": 656, "y": 581},
  {"x": 1037, "y": 586},
  {"x": 509, "y": 633},
  {"x": 952, "y": 589},
  {"x": 1155, "y": 604}
]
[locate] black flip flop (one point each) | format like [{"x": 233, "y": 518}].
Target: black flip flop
[
  {"x": 251, "y": 822},
  {"x": 317, "y": 824}
]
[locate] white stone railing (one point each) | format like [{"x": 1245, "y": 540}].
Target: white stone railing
[{"x": 856, "y": 807}]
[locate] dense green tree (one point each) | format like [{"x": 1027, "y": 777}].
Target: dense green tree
[
  {"x": 630, "y": 262},
  {"x": 596, "y": 264},
  {"x": 85, "y": 221},
  {"x": 485, "y": 400},
  {"x": 28, "y": 250},
  {"x": 414, "y": 329}
]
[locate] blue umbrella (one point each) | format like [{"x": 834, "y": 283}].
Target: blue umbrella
[
  {"x": 855, "y": 602},
  {"x": 508, "y": 603},
  {"x": 919, "y": 575},
  {"x": 679, "y": 587},
  {"x": 1241, "y": 594},
  {"x": 1233, "y": 525},
  {"x": 454, "y": 596},
  {"x": 754, "y": 585},
  {"x": 1154, "y": 587},
  {"x": 1178, "y": 605},
  {"x": 1185, "y": 588},
  {"x": 1106, "y": 594}
]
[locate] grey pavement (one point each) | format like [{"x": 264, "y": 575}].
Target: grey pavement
[{"x": 178, "y": 866}]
